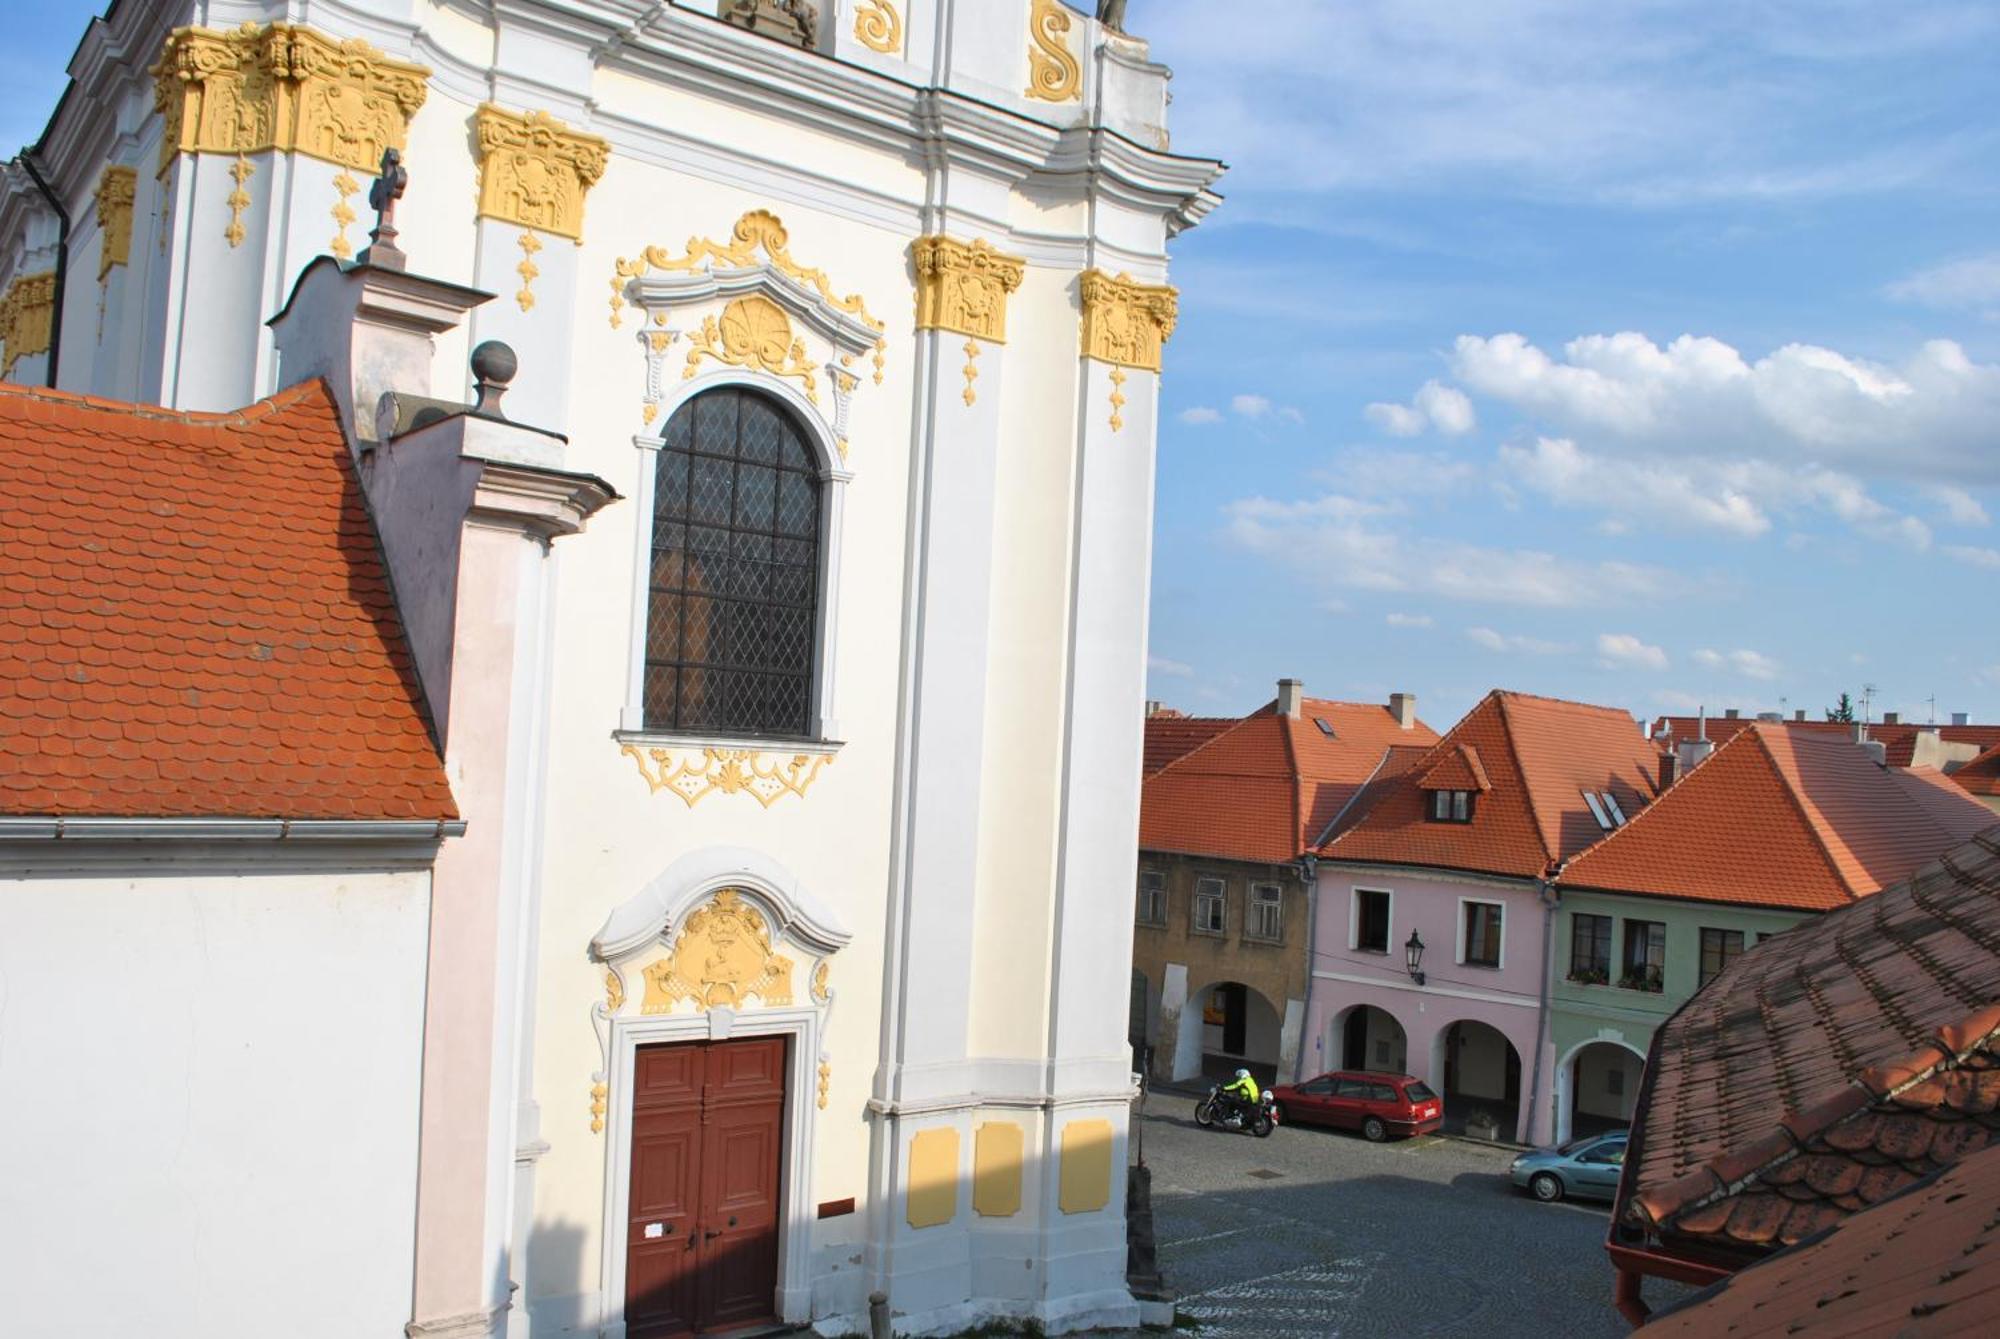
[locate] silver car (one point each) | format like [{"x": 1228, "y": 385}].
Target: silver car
[{"x": 1586, "y": 1168}]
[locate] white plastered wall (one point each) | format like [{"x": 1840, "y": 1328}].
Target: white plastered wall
[{"x": 211, "y": 1113}]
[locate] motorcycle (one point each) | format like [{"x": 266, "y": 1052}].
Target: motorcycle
[{"x": 1217, "y": 1112}]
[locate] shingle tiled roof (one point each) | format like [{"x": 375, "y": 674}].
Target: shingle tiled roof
[
  {"x": 1981, "y": 776},
  {"x": 1784, "y": 818},
  {"x": 1265, "y": 788},
  {"x": 1455, "y": 769},
  {"x": 196, "y": 621},
  {"x": 1538, "y": 755},
  {"x": 1899, "y": 741},
  {"x": 1826, "y": 1069},
  {"x": 1171, "y": 737},
  {"x": 1923, "y": 1264}
]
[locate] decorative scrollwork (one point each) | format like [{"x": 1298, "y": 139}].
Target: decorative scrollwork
[
  {"x": 27, "y": 315},
  {"x": 534, "y": 171},
  {"x": 1125, "y": 322},
  {"x": 757, "y": 231},
  {"x": 730, "y": 771},
  {"x": 721, "y": 958},
  {"x": 1053, "y": 73},
  {"x": 878, "y": 27},
  {"x": 115, "y": 191},
  {"x": 528, "y": 270},
  {"x": 754, "y": 332},
  {"x": 343, "y": 213}
]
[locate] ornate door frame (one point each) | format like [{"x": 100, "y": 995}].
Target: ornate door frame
[{"x": 656, "y": 924}]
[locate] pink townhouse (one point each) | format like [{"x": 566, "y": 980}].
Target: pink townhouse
[{"x": 1436, "y": 906}]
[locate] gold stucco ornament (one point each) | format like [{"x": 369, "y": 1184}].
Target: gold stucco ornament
[
  {"x": 26, "y": 315},
  {"x": 115, "y": 190},
  {"x": 534, "y": 171},
  {"x": 753, "y": 332},
  {"x": 878, "y": 27},
  {"x": 722, "y": 957},
  {"x": 1053, "y": 73},
  {"x": 731, "y": 771}
]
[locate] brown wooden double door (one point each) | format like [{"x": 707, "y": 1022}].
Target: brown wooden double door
[{"x": 701, "y": 1250}]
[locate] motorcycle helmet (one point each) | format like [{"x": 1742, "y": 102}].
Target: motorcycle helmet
[{"x": 1242, "y": 1073}]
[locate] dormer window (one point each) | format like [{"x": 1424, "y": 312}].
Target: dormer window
[
  {"x": 1325, "y": 726},
  {"x": 1604, "y": 808},
  {"x": 1451, "y": 806}
]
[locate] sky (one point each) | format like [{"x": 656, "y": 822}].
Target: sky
[{"x": 1646, "y": 354}]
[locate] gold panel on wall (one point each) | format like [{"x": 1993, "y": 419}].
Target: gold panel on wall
[
  {"x": 26, "y": 315},
  {"x": 1086, "y": 1166},
  {"x": 534, "y": 171},
  {"x": 115, "y": 191},
  {"x": 285, "y": 87},
  {"x": 996, "y": 1169},
  {"x": 933, "y": 1189},
  {"x": 963, "y": 286},
  {"x": 878, "y": 27},
  {"x": 1125, "y": 322},
  {"x": 722, "y": 956}
]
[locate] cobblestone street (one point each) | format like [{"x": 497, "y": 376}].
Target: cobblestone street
[{"x": 1317, "y": 1232}]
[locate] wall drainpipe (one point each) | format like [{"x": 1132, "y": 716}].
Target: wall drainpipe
[
  {"x": 62, "y": 258},
  {"x": 1309, "y": 874},
  {"x": 1546, "y": 891},
  {"x": 1626, "y": 1294}
]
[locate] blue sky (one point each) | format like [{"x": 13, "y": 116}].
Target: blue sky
[{"x": 1645, "y": 353}]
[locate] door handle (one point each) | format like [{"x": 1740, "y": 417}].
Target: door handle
[{"x": 711, "y": 1236}]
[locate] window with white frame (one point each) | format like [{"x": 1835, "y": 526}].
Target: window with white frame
[
  {"x": 1450, "y": 806},
  {"x": 1210, "y": 914},
  {"x": 1481, "y": 936},
  {"x": 1267, "y": 912},
  {"x": 1152, "y": 897},
  {"x": 1371, "y": 920}
]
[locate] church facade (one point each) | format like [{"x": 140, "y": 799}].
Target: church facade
[{"x": 782, "y": 628}]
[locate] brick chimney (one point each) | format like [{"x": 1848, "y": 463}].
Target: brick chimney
[
  {"x": 1291, "y": 697},
  {"x": 1892, "y": 718},
  {"x": 1403, "y": 706},
  {"x": 1670, "y": 768}
]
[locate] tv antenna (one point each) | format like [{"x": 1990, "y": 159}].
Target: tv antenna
[
  {"x": 1932, "y": 699},
  {"x": 1868, "y": 691}
]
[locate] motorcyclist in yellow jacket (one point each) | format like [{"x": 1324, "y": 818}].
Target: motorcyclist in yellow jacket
[{"x": 1243, "y": 1091}]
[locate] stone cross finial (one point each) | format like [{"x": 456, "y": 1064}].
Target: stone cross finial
[{"x": 388, "y": 188}]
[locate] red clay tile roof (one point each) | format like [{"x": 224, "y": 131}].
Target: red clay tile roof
[
  {"x": 1899, "y": 741},
  {"x": 1173, "y": 736},
  {"x": 1981, "y": 776},
  {"x": 1924, "y": 1263},
  {"x": 1538, "y": 754},
  {"x": 1455, "y": 769},
  {"x": 1824, "y": 1070},
  {"x": 1265, "y": 788},
  {"x": 1784, "y": 818},
  {"x": 196, "y": 621}
]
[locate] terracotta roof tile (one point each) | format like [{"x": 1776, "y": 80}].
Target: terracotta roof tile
[
  {"x": 1268, "y": 785},
  {"x": 1538, "y": 755},
  {"x": 1779, "y": 817},
  {"x": 198, "y": 620},
  {"x": 1921, "y": 1264},
  {"x": 1899, "y": 741},
  {"x": 1827, "y": 1069},
  {"x": 1173, "y": 736},
  {"x": 1981, "y": 776}
]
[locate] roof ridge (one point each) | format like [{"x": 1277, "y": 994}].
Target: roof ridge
[
  {"x": 1316, "y": 843},
  {"x": 277, "y": 401},
  {"x": 1297, "y": 780},
  {"x": 1798, "y": 802},
  {"x": 1554, "y": 856},
  {"x": 1728, "y": 1172},
  {"x": 1565, "y": 702},
  {"x": 1443, "y": 741}
]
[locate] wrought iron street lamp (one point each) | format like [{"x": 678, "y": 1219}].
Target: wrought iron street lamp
[{"x": 1413, "y": 957}]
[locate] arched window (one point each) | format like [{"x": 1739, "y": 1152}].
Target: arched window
[{"x": 733, "y": 613}]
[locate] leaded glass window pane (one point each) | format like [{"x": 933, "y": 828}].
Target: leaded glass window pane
[{"x": 733, "y": 607}]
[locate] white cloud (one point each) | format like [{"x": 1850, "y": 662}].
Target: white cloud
[
  {"x": 1172, "y": 668},
  {"x": 1250, "y": 406},
  {"x": 1398, "y": 420},
  {"x": 1331, "y": 539},
  {"x": 1750, "y": 664},
  {"x": 1958, "y": 507},
  {"x": 1377, "y": 472},
  {"x": 1621, "y": 650},
  {"x": 1570, "y": 477},
  {"x": 1974, "y": 556},
  {"x": 1972, "y": 284},
  {"x": 1200, "y": 414},
  {"x": 1514, "y": 642},
  {"x": 1409, "y": 620},
  {"x": 1802, "y": 408},
  {"x": 1445, "y": 408},
  {"x": 1291, "y": 415}
]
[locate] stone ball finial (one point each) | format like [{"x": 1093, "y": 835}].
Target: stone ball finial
[{"x": 494, "y": 364}]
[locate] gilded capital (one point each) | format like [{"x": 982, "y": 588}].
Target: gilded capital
[
  {"x": 963, "y": 286},
  {"x": 285, "y": 87},
  {"x": 115, "y": 192},
  {"x": 26, "y": 315},
  {"x": 1126, "y": 322},
  {"x": 534, "y": 171}
]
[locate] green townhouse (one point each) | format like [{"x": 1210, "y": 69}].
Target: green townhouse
[{"x": 1772, "y": 828}]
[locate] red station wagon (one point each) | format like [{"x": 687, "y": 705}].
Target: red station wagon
[{"x": 1378, "y": 1105}]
